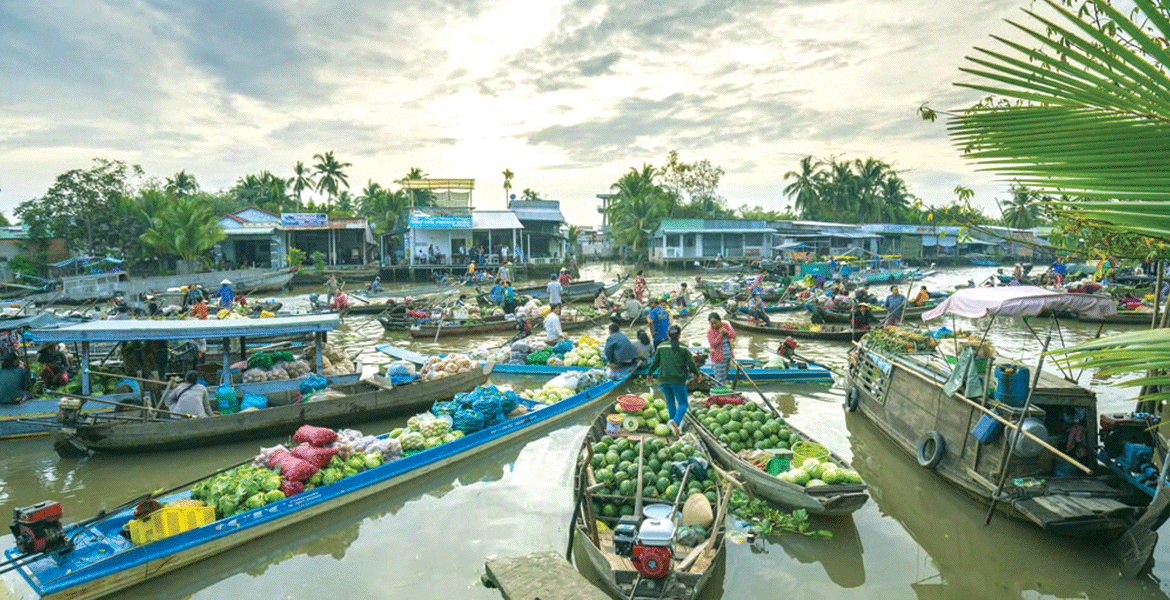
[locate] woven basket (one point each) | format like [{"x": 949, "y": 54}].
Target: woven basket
[
  {"x": 802, "y": 451},
  {"x": 631, "y": 402}
]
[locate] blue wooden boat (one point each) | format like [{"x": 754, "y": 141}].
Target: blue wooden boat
[
  {"x": 777, "y": 308},
  {"x": 103, "y": 561}
]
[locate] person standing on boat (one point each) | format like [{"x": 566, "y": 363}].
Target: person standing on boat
[
  {"x": 659, "y": 319},
  {"x": 846, "y": 271},
  {"x": 719, "y": 338},
  {"x": 554, "y": 290},
  {"x": 566, "y": 280},
  {"x": 895, "y": 305},
  {"x": 552, "y": 325},
  {"x": 191, "y": 398},
  {"x": 225, "y": 294},
  {"x": 675, "y": 365},
  {"x": 509, "y": 298},
  {"x": 683, "y": 298},
  {"x": 639, "y": 286},
  {"x": 331, "y": 287},
  {"x": 496, "y": 294},
  {"x": 505, "y": 272},
  {"x": 14, "y": 380}
]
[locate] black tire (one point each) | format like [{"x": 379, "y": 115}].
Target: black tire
[
  {"x": 852, "y": 399},
  {"x": 930, "y": 449}
]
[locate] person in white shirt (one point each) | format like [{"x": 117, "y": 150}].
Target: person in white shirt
[
  {"x": 552, "y": 325},
  {"x": 554, "y": 291}
]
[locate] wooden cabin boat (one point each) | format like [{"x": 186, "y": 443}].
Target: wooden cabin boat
[
  {"x": 902, "y": 394},
  {"x": 102, "y": 561},
  {"x": 579, "y": 291},
  {"x": 668, "y": 569},
  {"x": 815, "y": 332}
]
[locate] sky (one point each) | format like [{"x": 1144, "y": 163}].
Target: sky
[{"x": 569, "y": 95}]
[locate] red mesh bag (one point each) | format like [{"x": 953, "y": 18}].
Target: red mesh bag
[
  {"x": 724, "y": 400},
  {"x": 276, "y": 458},
  {"x": 317, "y": 436},
  {"x": 291, "y": 488},
  {"x": 293, "y": 468},
  {"x": 317, "y": 456}
]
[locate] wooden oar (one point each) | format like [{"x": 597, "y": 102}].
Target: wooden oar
[
  {"x": 638, "y": 492},
  {"x": 121, "y": 404},
  {"x": 739, "y": 369}
]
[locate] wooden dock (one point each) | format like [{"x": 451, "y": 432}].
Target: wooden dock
[{"x": 540, "y": 576}]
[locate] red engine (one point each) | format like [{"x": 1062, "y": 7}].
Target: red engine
[
  {"x": 37, "y": 528},
  {"x": 652, "y": 562},
  {"x": 787, "y": 349}
]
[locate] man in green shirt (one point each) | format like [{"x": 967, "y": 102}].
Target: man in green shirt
[{"x": 675, "y": 365}]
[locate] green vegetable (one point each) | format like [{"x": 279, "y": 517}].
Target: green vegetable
[
  {"x": 225, "y": 507},
  {"x": 255, "y": 501},
  {"x": 274, "y": 496},
  {"x": 261, "y": 360},
  {"x": 348, "y": 472},
  {"x": 330, "y": 477},
  {"x": 315, "y": 479},
  {"x": 356, "y": 463},
  {"x": 373, "y": 460},
  {"x": 270, "y": 482}
]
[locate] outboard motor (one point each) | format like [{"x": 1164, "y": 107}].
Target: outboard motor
[
  {"x": 37, "y": 528},
  {"x": 652, "y": 553},
  {"x": 68, "y": 411}
]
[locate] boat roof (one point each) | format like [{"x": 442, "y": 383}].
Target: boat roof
[
  {"x": 1019, "y": 301},
  {"x": 35, "y": 321},
  {"x": 115, "y": 330}
]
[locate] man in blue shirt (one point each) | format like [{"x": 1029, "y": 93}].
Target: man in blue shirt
[
  {"x": 496, "y": 294},
  {"x": 619, "y": 350},
  {"x": 895, "y": 307},
  {"x": 659, "y": 321},
  {"x": 1060, "y": 269},
  {"x": 846, "y": 270}
]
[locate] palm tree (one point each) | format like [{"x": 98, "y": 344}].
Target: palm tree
[
  {"x": 871, "y": 176},
  {"x": 803, "y": 189},
  {"x": 181, "y": 184},
  {"x": 301, "y": 180},
  {"x": 529, "y": 194},
  {"x": 330, "y": 174},
  {"x": 418, "y": 197},
  {"x": 185, "y": 229},
  {"x": 508, "y": 175},
  {"x": 572, "y": 241},
  {"x": 638, "y": 205},
  {"x": 262, "y": 189},
  {"x": 895, "y": 199},
  {"x": 1022, "y": 211}
]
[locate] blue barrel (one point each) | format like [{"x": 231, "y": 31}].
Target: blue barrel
[{"x": 1011, "y": 386}]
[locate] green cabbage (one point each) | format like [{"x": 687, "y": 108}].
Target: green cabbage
[
  {"x": 274, "y": 496},
  {"x": 255, "y": 501}
]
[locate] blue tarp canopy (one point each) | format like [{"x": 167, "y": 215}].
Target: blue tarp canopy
[
  {"x": 108, "y": 259},
  {"x": 117, "y": 330},
  {"x": 70, "y": 261},
  {"x": 36, "y": 321},
  {"x": 794, "y": 246}
]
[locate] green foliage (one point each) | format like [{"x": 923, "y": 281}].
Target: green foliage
[
  {"x": 508, "y": 175},
  {"x": 385, "y": 209},
  {"x": 263, "y": 190},
  {"x": 767, "y": 520},
  {"x": 637, "y": 208},
  {"x": 301, "y": 180},
  {"x": 1023, "y": 209},
  {"x": 296, "y": 257},
  {"x": 182, "y": 184},
  {"x": 757, "y": 213},
  {"x": 330, "y": 173},
  {"x": 184, "y": 228},
  {"x": 318, "y": 258},
  {"x": 868, "y": 191},
  {"x": 529, "y": 194}
]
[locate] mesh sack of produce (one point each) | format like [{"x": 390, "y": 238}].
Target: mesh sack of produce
[
  {"x": 493, "y": 418},
  {"x": 508, "y": 401},
  {"x": 254, "y": 375},
  {"x": 291, "y": 488},
  {"x": 317, "y": 436},
  {"x": 225, "y": 397},
  {"x": 485, "y": 404},
  {"x": 253, "y": 401},
  {"x": 467, "y": 420},
  {"x": 562, "y": 346},
  {"x": 445, "y": 407},
  {"x": 722, "y": 400},
  {"x": 283, "y": 356},
  {"x": 401, "y": 372},
  {"x": 311, "y": 384},
  {"x": 277, "y": 373},
  {"x": 539, "y": 357},
  {"x": 522, "y": 346},
  {"x": 261, "y": 360},
  {"x": 293, "y": 468},
  {"x": 317, "y": 456}
]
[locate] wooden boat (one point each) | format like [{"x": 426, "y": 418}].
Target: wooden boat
[
  {"x": 807, "y": 373},
  {"x": 103, "y": 561},
  {"x": 1122, "y": 317},
  {"x": 85, "y": 288},
  {"x": 832, "y": 500},
  {"x": 816, "y": 332},
  {"x": 692, "y": 569},
  {"x": 903, "y": 396},
  {"x": 777, "y": 308},
  {"x": 489, "y": 325},
  {"x": 822, "y": 315},
  {"x": 366, "y": 400},
  {"x": 579, "y": 291}
]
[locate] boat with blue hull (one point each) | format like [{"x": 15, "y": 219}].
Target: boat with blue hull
[{"x": 102, "y": 561}]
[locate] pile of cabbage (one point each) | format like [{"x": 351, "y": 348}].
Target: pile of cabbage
[
  {"x": 239, "y": 490},
  {"x": 587, "y": 353},
  {"x": 813, "y": 472},
  {"x": 452, "y": 364},
  {"x": 549, "y": 394}
]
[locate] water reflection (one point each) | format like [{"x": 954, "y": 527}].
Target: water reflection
[{"x": 842, "y": 558}]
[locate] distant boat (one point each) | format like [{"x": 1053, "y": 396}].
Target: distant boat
[{"x": 77, "y": 289}]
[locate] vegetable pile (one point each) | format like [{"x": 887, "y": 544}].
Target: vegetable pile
[
  {"x": 586, "y": 354},
  {"x": 813, "y": 473},
  {"x": 652, "y": 417},
  {"x": 548, "y": 394},
  {"x": 615, "y": 464},
  {"x": 745, "y": 426},
  {"x": 764, "y": 519},
  {"x": 896, "y": 340},
  {"x": 452, "y": 364}
]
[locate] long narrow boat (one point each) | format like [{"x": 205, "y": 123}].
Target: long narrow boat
[
  {"x": 362, "y": 401},
  {"x": 903, "y": 395},
  {"x": 85, "y": 288},
  {"x": 103, "y": 561},
  {"x": 815, "y": 332},
  {"x": 579, "y": 291},
  {"x": 777, "y": 308},
  {"x": 449, "y": 330},
  {"x": 808, "y": 373},
  {"x": 822, "y": 315},
  {"x": 1122, "y": 317},
  {"x": 691, "y": 569},
  {"x": 834, "y": 500}
]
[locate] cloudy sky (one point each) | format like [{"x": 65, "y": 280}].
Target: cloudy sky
[{"x": 567, "y": 94}]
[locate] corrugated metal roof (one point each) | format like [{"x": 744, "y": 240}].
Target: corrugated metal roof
[
  {"x": 116, "y": 330},
  {"x": 495, "y": 219},
  {"x": 243, "y": 231},
  {"x": 537, "y": 210}
]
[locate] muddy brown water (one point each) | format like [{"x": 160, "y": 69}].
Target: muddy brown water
[{"x": 917, "y": 538}]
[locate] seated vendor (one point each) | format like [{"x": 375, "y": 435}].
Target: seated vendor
[
  {"x": 619, "y": 350},
  {"x": 922, "y": 297},
  {"x": 190, "y": 397},
  {"x": 14, "y": 380}
]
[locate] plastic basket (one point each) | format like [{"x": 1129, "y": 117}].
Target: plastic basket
[
  {"x": 631, "y": 402},
  {"x": 802, "y": 451},
  {"x": 168, "y": 521}
]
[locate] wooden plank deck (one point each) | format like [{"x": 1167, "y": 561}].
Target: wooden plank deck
[{"x": 540, "y": 576}]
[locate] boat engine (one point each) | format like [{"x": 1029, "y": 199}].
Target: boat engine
[
  {"x": 68, "y": 410},
  {"x": 787, "y": 348},
  {"x": 625, "y": 534},
  {"x": 37, "y": 528},
  {"x": 651, "y": 553},
  {"x": 1120, "y": 429}
]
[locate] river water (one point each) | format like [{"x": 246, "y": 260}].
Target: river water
[{"x": 917, "y": 537}]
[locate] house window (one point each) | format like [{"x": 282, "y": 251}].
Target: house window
[{"x": 753, "y": 239}]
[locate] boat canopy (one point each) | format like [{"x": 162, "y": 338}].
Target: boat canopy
[
  {"x": 115, "y": 330},
  {"x": 1019, "y": 301},
  {"x": 35, "y": 322}
]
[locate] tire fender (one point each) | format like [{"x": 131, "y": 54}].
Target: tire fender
[
  {"x": 852, "y": 399},
  {"x": 931, "y": 448}
]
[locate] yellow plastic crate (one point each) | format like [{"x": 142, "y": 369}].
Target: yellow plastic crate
[{"x": 168, "y": 521}]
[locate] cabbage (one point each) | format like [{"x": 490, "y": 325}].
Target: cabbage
[
  {"x": 831, "y": 475},
  {"x": 814, "y": 483},
  {"x": 373, "y": 460},
  {"x": 225, "y": 507},
  {"x": 799, "y": 476},
  {"x": 274, "y": 496},
  {"x": 270, "y": 482},
  {"x": 330, "y": 477},
  {"x": 255, "y": 501}
]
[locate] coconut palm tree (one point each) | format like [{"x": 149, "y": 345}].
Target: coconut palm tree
[
  {"x": 638, "y": 206},
  {"x": 185, "y": 229},
  {"x": 1022, "y": 211},
  {"x": 1088, "y": 115},
  {"x": 182, "y": 184},
  {"x": 803, "y": 189},
  {"x": 330, "y": 173},
  {"x": 301, "y": 180},
  {"x": 508, "y": 175}
]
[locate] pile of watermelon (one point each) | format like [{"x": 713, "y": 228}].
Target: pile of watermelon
[
  {"x": 615, "y": 463},
  {"x": 745, "y": 426}
]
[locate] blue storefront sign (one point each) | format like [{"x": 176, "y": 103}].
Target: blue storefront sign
[
  {"x": 439, "y": 222},
  {"x": 304, "y": 219}
]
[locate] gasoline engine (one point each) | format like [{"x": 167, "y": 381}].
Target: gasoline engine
[
  {"x": 37, "y": 528},
  {"x": 1128, "y": 440}
]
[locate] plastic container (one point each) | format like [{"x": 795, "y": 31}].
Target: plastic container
[
  {"x": 1026, "y": 447},
  {"x": 1012, "y": 383},
  {"x": 657, "y": 511},
  {"x": 987, "y": 429},
  {"x": 168, "y": 521},
  {"x": 613, "y": 424},
  {"x": 781, "y": 463},
  {"x": 656, "y": 532}
]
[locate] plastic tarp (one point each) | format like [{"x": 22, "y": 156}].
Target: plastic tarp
[{"x": 1019, "y": 301}]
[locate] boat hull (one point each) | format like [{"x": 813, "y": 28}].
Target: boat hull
[
  {"x": 86, "y": 288},
  {"x": 827, "y": 333}
]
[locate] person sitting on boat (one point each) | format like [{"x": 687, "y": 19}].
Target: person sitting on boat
[
  {"x": 601, "y": 301},
  {"x": 659, "y": 319},
  {"x": 632, "y": 309},
  {"x": 509, "y": 298},
  {"x": 199, "y": 309},
  {"x": 462, "y": 301},
  {"x": 56, "y": 371},
  {"x": 496, "y": 294},
  {"x": 340, "y": 301},
  {"x": 190, "y": 398},
  {"x": 152, "y": 307},
  {"x": 552, "y": 325},
  {"x": 757, "y": 311},
  {"x": 619, "y": 350},
  {"x": 1059, "y": 269},
  {"x": 683, "y": 298},
  {"x": 862, "y": 318},
  {"x": 644, "y": 346},
  {"x": 864, "y": 295},
  {"x": 895, "y": 305},
  {"x": 639, "y": 286},
  {"x": 720, "y": 336},
  {"x": 193, "y": 294},
  {"x": 565, "y": 279},
  {"x": 14, "y": 380},
  {"x": 676, "y": 365},
  {"x": 375, "y": 285},
  {"x": 554, "y": 290},
  {"x": 225, "y": 293},
  {"x": 922, "y": 297}
]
